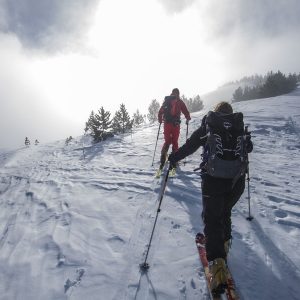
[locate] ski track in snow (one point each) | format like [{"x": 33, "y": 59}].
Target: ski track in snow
[{"x": 75, "y": 220}]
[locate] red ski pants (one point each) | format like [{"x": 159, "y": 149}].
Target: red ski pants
[{"x": 171, "y": 135}]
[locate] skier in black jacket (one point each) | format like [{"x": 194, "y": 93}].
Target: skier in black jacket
[{"x": 219, "y": 195}]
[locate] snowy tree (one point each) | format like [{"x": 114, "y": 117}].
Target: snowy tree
[
  {"x": 104, "y": 124},
  {"x": 153, "y": 110},
  {"x": 275, "y": 84},
  {"x": 68, "y": 140},
  {"x": 193, "y": 104},
  {"x": 121, "y": 121},
  {"x": 238, "y": 94},
  {"x": 92, "y": 125},
  {"x": 27, "y": 141},
  {"x": 99, "y": 125},
  {"x": 138, "y": 118}
]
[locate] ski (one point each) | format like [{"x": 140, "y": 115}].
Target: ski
[{"x": 230, "y": 291}]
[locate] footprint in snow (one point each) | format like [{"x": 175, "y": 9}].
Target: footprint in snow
[
  {"x": 182, "y": 287},
  {"x": 193, "y": 284},
  {"x": 275, "y": 199},
  {"x": 29, "y": 195},
  {"x": 116, "y": 243},
  {"x": 70, "y": 283},
  {"x": 267, "y": 183},
  {"x": 280, "y": 213}
]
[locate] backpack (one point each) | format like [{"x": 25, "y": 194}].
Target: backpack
[
  {"x": 170, "y": 110},
  {"x": 225, "y": 154}
]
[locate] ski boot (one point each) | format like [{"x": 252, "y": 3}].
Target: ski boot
[{"x": 217, "y": 269}]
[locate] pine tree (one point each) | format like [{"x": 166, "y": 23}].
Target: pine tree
[
  {"x": 121, "y": 121},
  {"x": 275, "y": 84},
  {"x": 89, "y": 125},
  {"x": 103, "y": 123},
  {"x": 193, "y": 104},
  {"x": 153, "y": 110},
  {"x": 197, "y": 104},
  {"x": 68, "y": 140},
  {"x": 138, "y": 119},
  {"x": 92, "y": 125},
  {"x": 98, "y": 125},
  {"x": 27, "y": 141}
]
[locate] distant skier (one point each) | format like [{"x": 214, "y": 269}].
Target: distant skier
[
  {"x": 223, "y": 167},
  {"x": 36, "y": 142},
  {"x": 27, "y": 142},
  {"x": 169, "y": 113}
]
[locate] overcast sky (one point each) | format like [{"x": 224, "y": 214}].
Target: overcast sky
[{"x": 61, "y": 59}]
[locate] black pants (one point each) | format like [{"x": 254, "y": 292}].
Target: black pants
[{"x": 218, "y": 196}]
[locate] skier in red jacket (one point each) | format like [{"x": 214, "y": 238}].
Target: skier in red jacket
[{"x": 169, "y": 113}]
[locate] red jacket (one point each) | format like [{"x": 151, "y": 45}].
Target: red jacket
[{"x": 179, "y": 108}]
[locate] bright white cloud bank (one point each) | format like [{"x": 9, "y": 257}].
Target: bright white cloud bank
[{"x": 60, "y": 60}]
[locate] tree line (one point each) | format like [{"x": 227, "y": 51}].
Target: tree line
[
  {"x": 271, "y": 85},
  {"x": 101, "y": 125}
]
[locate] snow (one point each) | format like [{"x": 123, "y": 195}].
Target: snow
[{"x": 75, "y": 220}]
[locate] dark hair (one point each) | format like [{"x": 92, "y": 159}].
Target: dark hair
[
  {"x": 223, "y": 107},
  {"x": 175, "y": 92}
]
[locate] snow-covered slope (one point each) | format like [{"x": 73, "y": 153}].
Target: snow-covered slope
[{"x": 75, "y": 220}]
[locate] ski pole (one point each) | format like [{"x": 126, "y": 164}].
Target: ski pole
[
  {"x": 187, "y": 133},
  {"x": 249, "y": 218},
  {"x": 145, "y": 266},
  {"x": 156, "y": 143}
]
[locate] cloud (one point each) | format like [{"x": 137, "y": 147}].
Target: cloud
[
  {"x": 176, "y": 6},
  {"x": 252, "y": 36},
  {"x": 24, "y": 110},
  {"x": 251, "y": 19},
  {"x": 49, "y": 25}
]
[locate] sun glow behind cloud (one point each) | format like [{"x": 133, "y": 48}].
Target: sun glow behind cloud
[
  {"x": 132, "y": 56},
  {"x": 114, "y": 51},
  {"x": 146, "y": 47}
]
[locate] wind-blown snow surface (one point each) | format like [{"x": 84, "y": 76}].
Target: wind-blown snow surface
[{"x": 75, "y": 225}]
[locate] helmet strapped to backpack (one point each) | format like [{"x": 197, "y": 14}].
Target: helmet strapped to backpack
[
  {"x": 224, "y": 154},
  {"x": 170, "y": 109}
]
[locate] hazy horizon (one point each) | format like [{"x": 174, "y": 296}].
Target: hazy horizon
[{"x": 60, "y": 60}]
